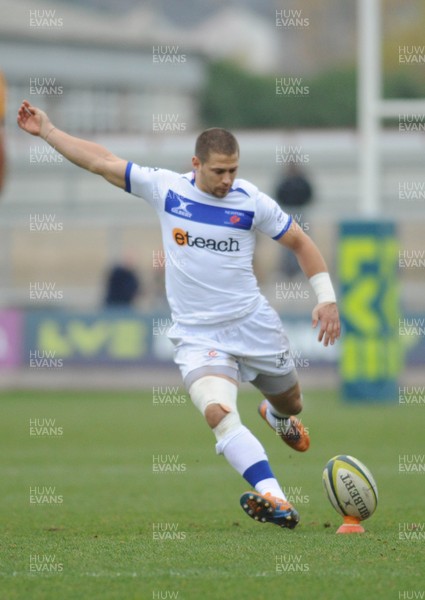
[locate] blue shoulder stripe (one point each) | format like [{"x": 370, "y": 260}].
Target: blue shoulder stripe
[
  {"x": 284, "y": 230},
  {"x": 127, "y": 177},
  {"x": 239, "y": 189}
]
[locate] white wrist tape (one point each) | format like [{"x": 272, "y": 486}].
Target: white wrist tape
[{"x": 322, "y": 285}]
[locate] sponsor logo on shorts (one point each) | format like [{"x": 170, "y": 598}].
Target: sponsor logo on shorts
[{"x": 184, "y": 238}]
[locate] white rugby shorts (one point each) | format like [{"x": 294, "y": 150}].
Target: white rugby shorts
[{"x": 252, "y": 345}]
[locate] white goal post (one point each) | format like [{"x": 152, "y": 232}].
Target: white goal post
[{"x": 372, "y": 108}]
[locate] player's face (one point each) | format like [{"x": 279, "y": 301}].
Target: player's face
[{"x": 216, "y": 175}]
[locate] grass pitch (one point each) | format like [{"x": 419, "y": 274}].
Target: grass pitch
[{"x": 85, "y": 514}]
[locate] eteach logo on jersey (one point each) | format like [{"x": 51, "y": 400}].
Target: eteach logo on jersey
[{"x": 183, "y": 238}]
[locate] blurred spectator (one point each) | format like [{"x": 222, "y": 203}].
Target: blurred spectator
[
  {"x": 123, "y": 284},
  {"x": 293, "y": 194},
  {"x": 2, "y": 132}
]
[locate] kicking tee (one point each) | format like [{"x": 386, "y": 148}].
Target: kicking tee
[{"x": 208, "y": 242}]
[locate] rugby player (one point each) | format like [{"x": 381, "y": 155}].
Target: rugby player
[{"x": 224, "y": 330}]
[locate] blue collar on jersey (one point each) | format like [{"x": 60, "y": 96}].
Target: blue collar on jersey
[{"x": 238, "y": 189}]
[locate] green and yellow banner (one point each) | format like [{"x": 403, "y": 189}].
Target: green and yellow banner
[{"x": 372, "y": 356}]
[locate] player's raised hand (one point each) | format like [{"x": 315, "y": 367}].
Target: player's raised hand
[
  {"x": 330, "y": 327},
  {"x": 33, "y": 120}
]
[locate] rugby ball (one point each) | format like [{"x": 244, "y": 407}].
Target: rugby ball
[{"x": 350, "y": 487}]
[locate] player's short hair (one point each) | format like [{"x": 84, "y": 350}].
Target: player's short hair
[{"x": 216, "y": 140}]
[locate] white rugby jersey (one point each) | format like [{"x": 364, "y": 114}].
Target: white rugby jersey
[{"x": 208, "y": 242}]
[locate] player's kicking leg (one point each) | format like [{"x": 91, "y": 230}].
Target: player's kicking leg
[{"x": 215, "y": 396}]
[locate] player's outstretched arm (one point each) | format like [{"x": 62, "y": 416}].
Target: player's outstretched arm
[
  {"x": 314, "y": 267},
  {"x": 84, "y": 154}
]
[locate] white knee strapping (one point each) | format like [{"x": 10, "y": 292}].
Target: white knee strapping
[
  {"x": 226, "y": 429},
  {"x": 217, "y": 390},
  {"x": 214, "y": 390}
]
